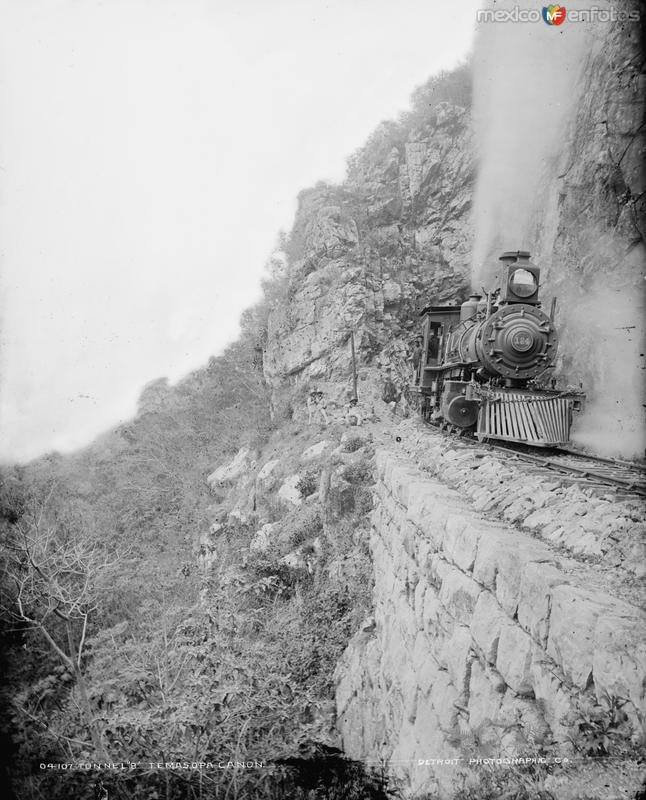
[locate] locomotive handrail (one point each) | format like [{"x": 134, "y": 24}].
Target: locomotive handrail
[{"x": 442, "y": 367}]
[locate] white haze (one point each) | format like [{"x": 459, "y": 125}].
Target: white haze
[
  {"x": 528, "y": 80},
  {"x": 603, "y": 342},
  {"x": 150, "y": 151}
]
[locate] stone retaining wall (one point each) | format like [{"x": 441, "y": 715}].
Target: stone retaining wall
[{"x": 482, "y": 644}]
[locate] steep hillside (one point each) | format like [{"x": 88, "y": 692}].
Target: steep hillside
[
  {"x": 365, "y": 256},
  {"x": 249, "y": 580},
  {"x": 245, "y": 588}
]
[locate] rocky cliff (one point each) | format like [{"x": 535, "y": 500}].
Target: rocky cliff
[
  {"x": 365, "y": 256},
  {"x": 593, "y": 242}
]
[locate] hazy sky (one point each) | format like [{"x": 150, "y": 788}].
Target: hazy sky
[{"x": 150, "y": 151}]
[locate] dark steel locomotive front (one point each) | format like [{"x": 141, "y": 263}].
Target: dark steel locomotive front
[{"x": 517, "y": 341}]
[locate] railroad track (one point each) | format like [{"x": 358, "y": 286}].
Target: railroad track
[
  {"x": 584, "y": 468},
  {"x": 622, "y": 476}
]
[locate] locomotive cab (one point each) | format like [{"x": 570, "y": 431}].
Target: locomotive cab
[
  {"x": 438, "y": 325},
  {"x": 438, "y": 322}
]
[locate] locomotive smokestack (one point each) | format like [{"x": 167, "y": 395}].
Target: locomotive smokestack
[{"x": 469, "y": 308}]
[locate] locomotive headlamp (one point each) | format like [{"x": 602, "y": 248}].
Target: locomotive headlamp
[
  {"x": 523, "y": 283},
  {"x": 520, "y": 278}
]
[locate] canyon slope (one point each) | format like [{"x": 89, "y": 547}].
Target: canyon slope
[{"x": 291, "y": 583}]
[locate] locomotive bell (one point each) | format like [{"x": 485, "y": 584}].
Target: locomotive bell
[{"x": 520, "y": 278}]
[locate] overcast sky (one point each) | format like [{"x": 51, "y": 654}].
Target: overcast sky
[{"x": 150, "y": 151}]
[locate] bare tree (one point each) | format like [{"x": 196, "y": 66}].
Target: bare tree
[{"x": 51, "y": 575}]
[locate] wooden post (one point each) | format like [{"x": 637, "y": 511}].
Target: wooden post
[{"x": 354, "y": 365}]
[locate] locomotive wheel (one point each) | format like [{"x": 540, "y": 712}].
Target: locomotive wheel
[{"x": 462, "y": 413}]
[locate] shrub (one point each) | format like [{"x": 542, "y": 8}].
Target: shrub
[
  {"x": 363, "y": 501},
  {"x": 308, "y": 484},
  {"x": 357, "y": 473},
  {"x": 302, "y": 525},
  {"x": 601, "y": 727},
  {"x": 348, "y": 494},
  {"x": 324, "y": 774},
  {"x": 522, "y": 782},
  {"x": 353, "y": 444},
  {"x": 268, "y": 579}
]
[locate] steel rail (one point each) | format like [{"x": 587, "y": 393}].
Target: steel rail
[
  {"x": 584, "y": 472},
  {"x": 550, "y": 463}
]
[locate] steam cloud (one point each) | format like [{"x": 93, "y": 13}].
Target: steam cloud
[
  {"x": 601, "y": 326},
  {"x": 528, "y": 81},
  {"x": 526, "y": 84}
]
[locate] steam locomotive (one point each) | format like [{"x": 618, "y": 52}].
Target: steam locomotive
[{"x": 481, "y": 363}]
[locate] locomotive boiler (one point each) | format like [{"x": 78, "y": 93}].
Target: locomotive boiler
[{"x": 484, "y": 364}]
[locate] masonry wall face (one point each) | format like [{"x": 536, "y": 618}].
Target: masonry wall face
[{"x": 481, "y": 643}]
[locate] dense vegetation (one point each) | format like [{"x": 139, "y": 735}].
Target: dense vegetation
[{"x": 122, "y": 648}]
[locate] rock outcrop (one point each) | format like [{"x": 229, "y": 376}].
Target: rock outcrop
[
  {"x": 367, "y": 254},
  {"x": 230, "y": 472},
  {"x": 592, "y": 245}
]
